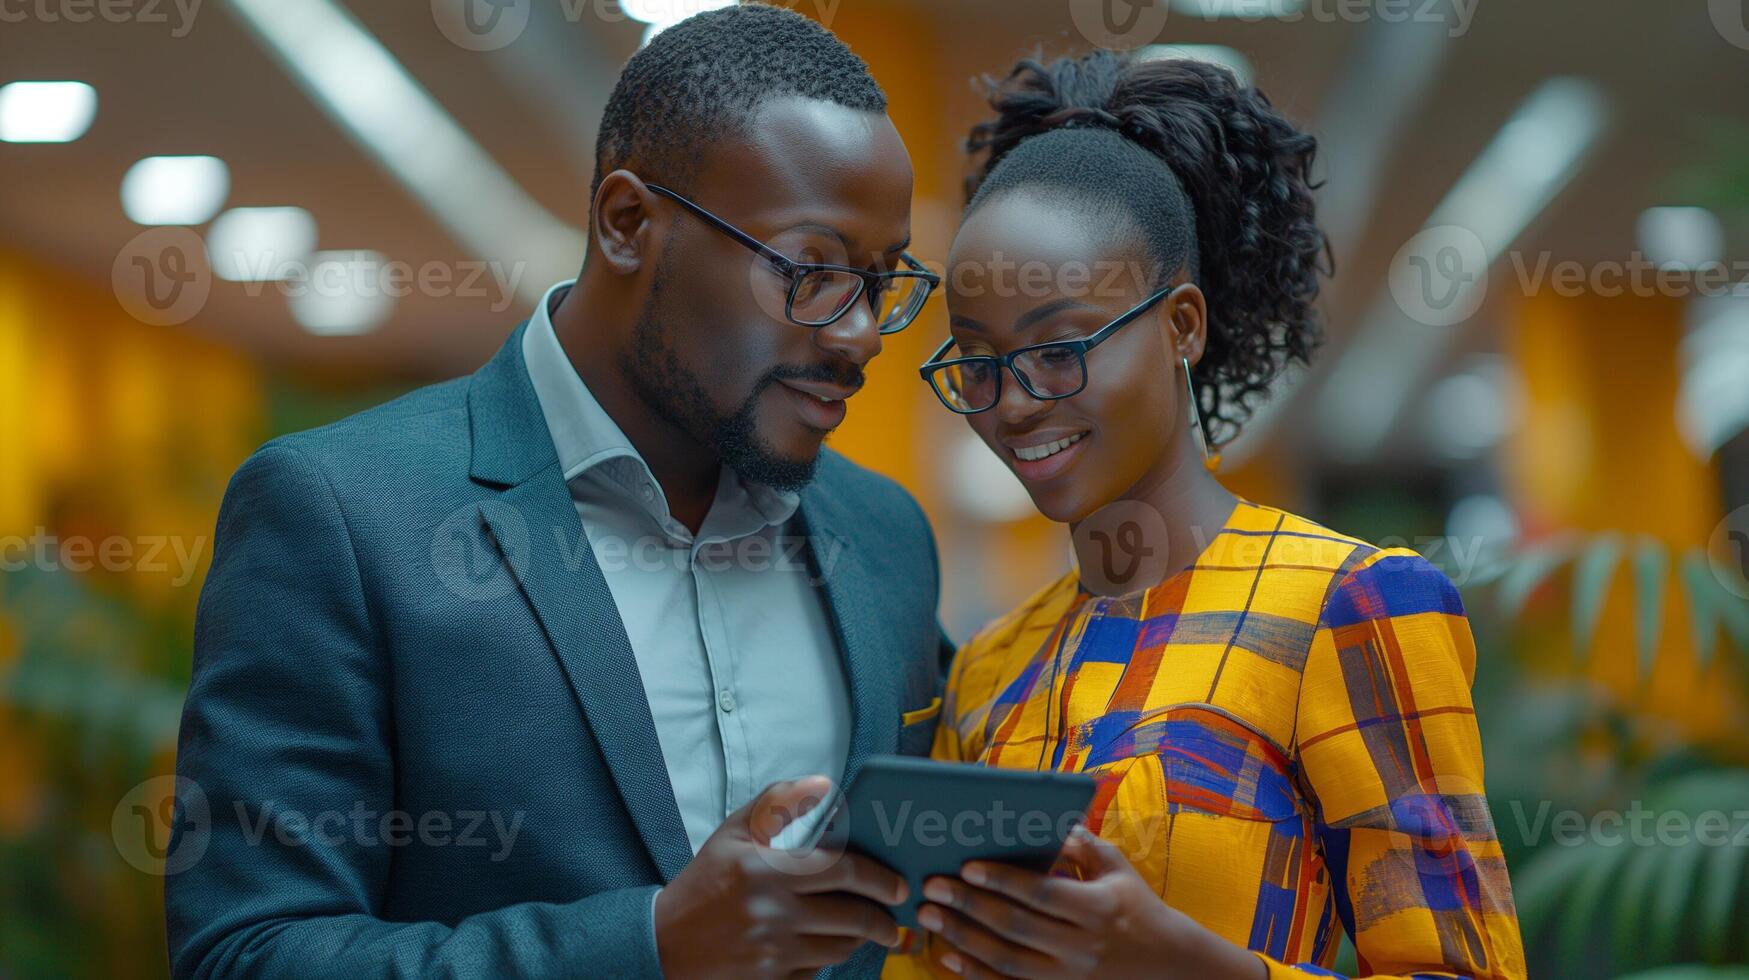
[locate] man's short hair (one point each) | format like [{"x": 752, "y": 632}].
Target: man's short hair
[{"x": 704, "y": 77}]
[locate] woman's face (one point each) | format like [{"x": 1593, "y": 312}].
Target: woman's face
[{"x": 1025, "y": 270}]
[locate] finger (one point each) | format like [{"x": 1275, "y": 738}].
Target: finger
[
  {"x": 849, "y": 916},
  {"x": 779, "y": 805},
  {"x": 1004, "y": 916},
  {"x": 973, "y": 942},
  {"x": 1050, "y": 895},
  {"x": 857, "y": 874},
  {"x": 1092, "y": 854}
]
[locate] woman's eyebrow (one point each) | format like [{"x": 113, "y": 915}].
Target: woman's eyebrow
[{"x": 1052, "y": 308}]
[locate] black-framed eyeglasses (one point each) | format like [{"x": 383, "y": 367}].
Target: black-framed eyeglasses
[
  {"x": 820, "y": 293},
  {"x": 969, "y": 385}
]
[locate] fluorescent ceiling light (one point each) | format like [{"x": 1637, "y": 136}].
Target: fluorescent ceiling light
[
  {"x": 1239, "y": 9},
  {"x": 183, "y": 190},
  {"x": 354, "y": 79},
  {"x": 259, "y": 244},
  {"x": 1681, "y": 238},
  {"x": 46, "y": 112},
  {"x": 1215, "y": 54},
  {"x": 1712, "y": 402},
  {"x": 344, "y": 293},
  {"x": 1533, "y": 156}
]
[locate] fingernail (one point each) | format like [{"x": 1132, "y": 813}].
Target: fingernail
[
  {"x": 973, "y": 873},
  {"x": 929, "y": 919},
  {"x": 951, "y": 961}
]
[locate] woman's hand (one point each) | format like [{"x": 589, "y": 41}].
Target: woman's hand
[{"x": 1002, "y": 921}]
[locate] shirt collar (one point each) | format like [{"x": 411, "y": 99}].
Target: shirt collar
[{"x": 586, "y": 437}]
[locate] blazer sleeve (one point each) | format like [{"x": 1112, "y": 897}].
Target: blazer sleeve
[
  {"x": 288, "y": 713},
  {"x": 1385, "y": 738}
]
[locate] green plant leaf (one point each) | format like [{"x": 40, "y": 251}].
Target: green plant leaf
[
  {"x": 1651, "y": 572},
  {"x": 1591, "y": 574},
  {"x": 1673, "y": 896},
  {"x": 1631, "y": 924},
  {"x": 1528, "y": 570},
  {"x": 1702, "y": 624},
  {"x": 1724, "y": 899}
]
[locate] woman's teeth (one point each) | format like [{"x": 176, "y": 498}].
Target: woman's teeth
[{"x": 1032, "y": 453}]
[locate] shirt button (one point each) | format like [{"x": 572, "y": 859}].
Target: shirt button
[
  {"x": 649, "y": 493},
  {"x": 726, "y": 700}
]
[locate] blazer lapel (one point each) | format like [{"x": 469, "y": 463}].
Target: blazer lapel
[
  {"x": 540, "y": 537},
  {"x": 851, "y": 596}
]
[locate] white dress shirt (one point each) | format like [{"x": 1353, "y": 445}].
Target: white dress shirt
[{"x": 730, "y": 632}]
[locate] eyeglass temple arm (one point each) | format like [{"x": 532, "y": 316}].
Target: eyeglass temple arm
[{"x": 782, "y": 261}]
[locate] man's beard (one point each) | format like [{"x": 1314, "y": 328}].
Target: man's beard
[{"x": 676, "y": 394}]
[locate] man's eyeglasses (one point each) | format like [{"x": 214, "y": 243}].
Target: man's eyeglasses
[
  {"x": 820, "y": 293},
  {"x": 969, "y": 385}
]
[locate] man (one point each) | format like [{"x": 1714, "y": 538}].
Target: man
[{"x": 515, "y": 675}]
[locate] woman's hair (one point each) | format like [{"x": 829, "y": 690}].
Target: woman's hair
[{"x": 1205, "y": 170}]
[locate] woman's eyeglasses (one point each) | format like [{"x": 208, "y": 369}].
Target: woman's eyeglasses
[
  {"x": 969, "y": 385},
  {"x": 820, "y": 293}
]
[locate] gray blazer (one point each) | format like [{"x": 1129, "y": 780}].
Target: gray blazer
[{"x": 416, "y": 742}]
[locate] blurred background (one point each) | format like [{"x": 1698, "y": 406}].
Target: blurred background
[{"x": 226, "y": 220}]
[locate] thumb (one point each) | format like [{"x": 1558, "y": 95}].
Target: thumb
[
  {"x": 781, "y": 804},
  {"x": 1090, "y": 856}
]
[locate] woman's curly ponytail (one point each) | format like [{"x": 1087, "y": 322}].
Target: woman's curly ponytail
[{"x": 1256, "y": 249}]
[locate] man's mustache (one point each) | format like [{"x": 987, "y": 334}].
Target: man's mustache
[{"x": 845, "y": 376}]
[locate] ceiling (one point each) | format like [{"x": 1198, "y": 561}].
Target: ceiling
[{"x": 1670, "y": 76}]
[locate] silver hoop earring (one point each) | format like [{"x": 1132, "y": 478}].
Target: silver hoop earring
[{"x": 1211, "y": 461}]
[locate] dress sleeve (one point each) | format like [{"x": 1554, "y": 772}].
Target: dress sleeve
[{"x": 1386, "y": 743}]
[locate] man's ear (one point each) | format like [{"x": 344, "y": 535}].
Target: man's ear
[
  {"x": 1187, "y": 311},
  {"x": 622, "y": 222}
]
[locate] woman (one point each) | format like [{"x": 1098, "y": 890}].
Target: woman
[{"x": 1278, "y": 715}]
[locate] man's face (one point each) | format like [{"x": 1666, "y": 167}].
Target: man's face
[{"x": 713, "y": 351}]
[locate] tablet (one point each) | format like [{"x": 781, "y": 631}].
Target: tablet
[{"x": 924, "y": 818}]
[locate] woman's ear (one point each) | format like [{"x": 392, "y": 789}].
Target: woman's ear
[
  {"x": 1187, "y": 311},
  {"x": 621, "y": 222}
]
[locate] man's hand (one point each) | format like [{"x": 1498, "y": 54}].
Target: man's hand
[{"x": 741, "y": 909}]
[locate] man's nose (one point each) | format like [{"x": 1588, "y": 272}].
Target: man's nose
[{"x": 855, "y": 336}]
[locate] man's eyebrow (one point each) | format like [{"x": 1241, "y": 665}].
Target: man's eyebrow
[{"x": 955, "y": 320}]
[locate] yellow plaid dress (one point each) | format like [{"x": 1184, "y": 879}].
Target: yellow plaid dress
[{"x": 1284, "y": 743}]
